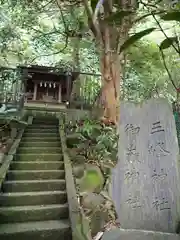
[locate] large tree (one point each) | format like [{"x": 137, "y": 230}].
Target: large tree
[
  {"x": 110, "y": 22},
  {"x": 110, "y": 35}
]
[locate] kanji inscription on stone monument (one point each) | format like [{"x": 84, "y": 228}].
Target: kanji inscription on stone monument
[
  {"x": 157, "y": 145},
  {"x": 134, "y": 202},
  {"x": 131, "y": 175},
  {"x": 162, "y": 204},
  {"x": 145, "y": 182},
  {"x": 132, "y": 131},
  {"x": 159, "y": 176}
]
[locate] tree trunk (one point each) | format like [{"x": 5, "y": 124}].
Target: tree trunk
[
  {"x": 76, "y": 59},
  {"x": 110, "y": 69},
  {"x": 110, "y": 37}
]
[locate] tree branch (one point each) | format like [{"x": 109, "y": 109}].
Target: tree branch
[
  {"x": 148, "y": 15},
  {"x": 44, "y": 34},
  {"x": 56, "y": 31},
  {"x": 159, "y": 25},
  {"x": 167, "y": 70},
  {"x": 63, "y": 19},
  {"x": 44, "y": 6},
  {"x": 92, "y": 25},
  {"x": 162, "y": 30},
  {"x": 55, "y": 53},
  {"x": 178, "y": 45},
  {"x": 41, "y": 7},
  {"x": 149, "y": 5}
]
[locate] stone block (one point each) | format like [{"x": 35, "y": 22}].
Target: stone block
[
  {"x": 126, "y": 234},
  {"x": 145, "y": 182}
]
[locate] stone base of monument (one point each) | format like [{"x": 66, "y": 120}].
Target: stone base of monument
[{"x": 129, "y": 234}]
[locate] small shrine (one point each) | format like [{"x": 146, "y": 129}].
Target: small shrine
[{"x": 47, "y": 84}]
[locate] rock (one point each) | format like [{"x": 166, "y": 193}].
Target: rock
[
  {"x": 73, "y": 152},
  {"x": 83, "y": 145},
  {"x": 79, "y": 159},
  {"x": 98, "y": 221},
  {"x": 93, "y": 179},
  {"x": 101, "y": 216},
  {"x": 131, "y": 234},
  {"x": 92, "y": 200},
  {"x": 75, "y": 157},
  {"x": 78, "y": 170},
  {"x": 145, "y": 181},
  {"x": 73, "y": 139},
  {"x": 81, "y": 230}
]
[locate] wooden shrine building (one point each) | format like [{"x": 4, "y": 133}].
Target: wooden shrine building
[{"x": 47, "y": 85}]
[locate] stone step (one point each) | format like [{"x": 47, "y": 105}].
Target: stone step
[
  {"x": 33, "y": 198},
  {"x": 34, "y": 185},
  {"x": 40, "y": 139},
  {"x": 37, "y": 165},
  {"x": 46, "y": 118},
  {"x": 45, "y": 121},
  {"x": 41, "y": 130},
  {"x": 46, "y": 230},
  {"x": 39, "y": 150},
  {"x": 35, "y": 174},
  {"x": 43, "y": 126},
  {"x": 40, "y": 134},
  {"x": 38, "y": 157},
  {"x": 40, "y": 144},
  {"x": 33, "y": 213}
]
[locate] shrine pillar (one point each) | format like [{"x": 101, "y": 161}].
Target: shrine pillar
[
  {"x": 68, "y": 85},
  {"x": 59, "y": 94},
  {"x": 35, "y": 92}
]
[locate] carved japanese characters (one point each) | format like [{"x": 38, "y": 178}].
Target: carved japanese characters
[{"x": 145, "y": 182}]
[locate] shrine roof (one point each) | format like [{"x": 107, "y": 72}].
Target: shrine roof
[
  {"x": 46, "y": 70},
  {"x": 53, "y": 70}
]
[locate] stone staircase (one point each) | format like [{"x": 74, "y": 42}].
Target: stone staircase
[{"x": 33, "y": 200}]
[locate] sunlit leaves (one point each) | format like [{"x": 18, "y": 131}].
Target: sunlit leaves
[
  {"x": 86, "y": 44},
  {"x": 145, "y": 75},
  {"x": 135, "y": 38},
  {"x": 58, "y": 45},
  {"x": 166, "y": 43}
]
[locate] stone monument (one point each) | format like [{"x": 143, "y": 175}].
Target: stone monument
[{"x": 145, "y": 182}]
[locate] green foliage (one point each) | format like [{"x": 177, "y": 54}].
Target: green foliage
[
  {"x": 118, "y": 16},
  {"x": 145, "y": 75},
  {"x": 91, "y": 181},
  {"x": 135, "y": 38},
  {"x": 9, "y": 78},
  {"x": 89, "y": 129},
  {"x": 166, "y": 43},
  {"x": 43, "y": 33},
  {"x": 171, "y": 16},
  {"x": 99, "y": 147},
  {"x": 100, "y": 141}
]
